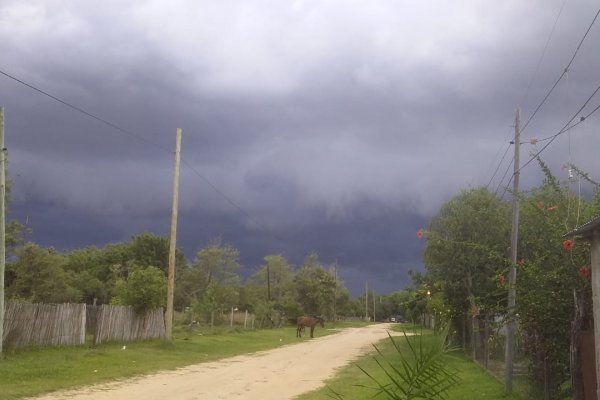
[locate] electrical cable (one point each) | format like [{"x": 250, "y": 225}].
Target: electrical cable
[
  {"x": 565, "y": 70},
  {"x": 531, "y": 80},
  {"x": 84, "y": 112},
  {"x": 149, "y": 142},
  {"x": 504, "y": 176},
  {"x": 498, "y": 167},
  {"x": 537, "y": 68},
  {"x": 566, "y": 128}
]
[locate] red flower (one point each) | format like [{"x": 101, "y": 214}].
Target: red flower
[
  {"x": 568, "y": 245},
  {"x": 540, "y": 205},
  {"x": 584, "y": 272},
  {"x": 420, "y": 233},
  {"x": 553, "y": 208}
]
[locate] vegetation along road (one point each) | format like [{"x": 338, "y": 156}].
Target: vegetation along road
[{"x": 282, "y": 373}]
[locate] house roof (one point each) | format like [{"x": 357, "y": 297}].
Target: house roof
[{"x": 586, "y": 230}]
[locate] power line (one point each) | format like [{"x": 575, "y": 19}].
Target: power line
[
  {"x": 566, "y": 127},
  {"x": 84, "y": 112},
  {"x": 504, "y": 176},
  {"x": 565, "y": 70},
  {"x": 498, "y": 167},
  {"x": 537, "y": 68},
  {"x": 149, "y": 142},
  {"x": 531, "y": 80},
  {"x": 231, "y": 202}
]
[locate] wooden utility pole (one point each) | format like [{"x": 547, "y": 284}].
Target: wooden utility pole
[
  {"x": 335, "y": 295},
  {"x": 2, "y": 222},
  {"x": 366, "y": 300},
  {"x": 512, "y": 274},
  {"x": 172, "y": 242},
  {"x": 373, "y": 305}
]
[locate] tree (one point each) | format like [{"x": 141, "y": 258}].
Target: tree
[
  {"x": 549, "y": 279},
  {"x": 90, "y": 276},
  {"x": 218, "y": 280},
  {"x": 466, "y": 251},
  {"x": 38, "y": 276},
  {"x": 268, "y": 291},
  {"x": 315, "y": 287},
  {"x": 145, "y": 289}
]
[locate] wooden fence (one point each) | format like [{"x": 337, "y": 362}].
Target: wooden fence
[
  {"x": 67, "y": 324},
  {"x": 118, "y": 323},
  {"x": 44, "y": 324}
]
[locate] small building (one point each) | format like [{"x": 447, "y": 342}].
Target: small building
[{"x": 591, "y": 231}]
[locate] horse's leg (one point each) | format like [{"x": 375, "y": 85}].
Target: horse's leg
[{"x": 312, "y": 329}]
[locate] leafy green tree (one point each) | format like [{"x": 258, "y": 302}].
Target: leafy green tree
[
  {"x": 148, "y": 249},
  {"x": 39, "y": 276},
  {"x": 548, "y": 278},
  {"x": 315, "y": 287},
  {"x": 219, "y": 282},
  {"x": 467, "y": 245},
  {"x": 89, "y": 274},
  {"x": 145, "y": 289}
]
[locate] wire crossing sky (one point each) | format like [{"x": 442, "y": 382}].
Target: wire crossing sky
[{"x": 334, "y": 127}]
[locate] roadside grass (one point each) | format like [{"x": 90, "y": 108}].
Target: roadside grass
[
  {"x": 474, "y": 382},
  {"x": 33, "y": 371}
]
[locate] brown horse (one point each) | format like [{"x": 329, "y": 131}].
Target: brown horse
[{"x": 311, "y": 322}]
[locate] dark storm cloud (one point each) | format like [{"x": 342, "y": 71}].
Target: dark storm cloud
[{"x": 338, "y": 127}]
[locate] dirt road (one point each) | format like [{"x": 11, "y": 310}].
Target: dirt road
[{"x": 278, "y": 374}]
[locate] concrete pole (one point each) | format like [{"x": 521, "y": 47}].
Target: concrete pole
[
  {"x": 172, "y": 243},
  {"x": 2, "y": 223},
  {"x": 512, "y": 275}
]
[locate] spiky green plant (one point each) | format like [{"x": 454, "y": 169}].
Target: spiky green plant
[{"x": 416, "y": 371}]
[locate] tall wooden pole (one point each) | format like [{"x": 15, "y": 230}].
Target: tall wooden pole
[
  {"x": 2, "y": 222},
  {"x": 172, "y": 242},
  {"x": 512, "y": 275},
  {"x": 366, "y": 300},
  {"x": 373, "y": 305}
]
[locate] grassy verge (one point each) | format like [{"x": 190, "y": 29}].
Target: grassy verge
[
  {"x": 475, "y": 383},
  {"x": 33, "y": 371}
]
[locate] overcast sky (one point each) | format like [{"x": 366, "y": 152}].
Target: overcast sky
[{"x": 338, "y": 126}]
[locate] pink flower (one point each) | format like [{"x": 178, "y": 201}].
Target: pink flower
[
  {"x": 420, "y": 233},
  {"x": 584, "y": 272},
  {"x": 553, "y": 208}
]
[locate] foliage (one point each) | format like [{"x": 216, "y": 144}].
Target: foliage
[
  {"x": 38, "y": 276},
  {"x": 217, "y": 283},
  {"x": 315, "y": 287},
  {"x": 467, "y": 243},
  {"x": 466, "y": 259},
  {"x": 416, "y": 370},
  {"x": 145, "y": 289},
  {"x": 548, "y": 278}
]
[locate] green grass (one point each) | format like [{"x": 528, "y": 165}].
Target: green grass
[
  {"x": 474, "y": 382},
  {"x": 33, "y": 371}
]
